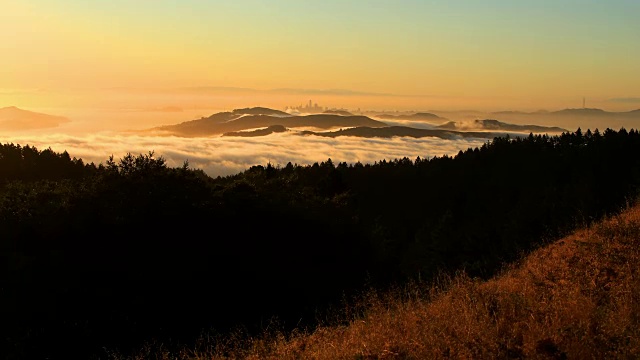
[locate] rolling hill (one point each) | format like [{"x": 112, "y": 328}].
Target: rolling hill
[
  {"x": 15, "y": 119},
  {"x": 260, "y": 111},
  {"x": 590, "y": 112},
  {"x": 416, "y": 116},
  {"x": 237, "y": 121},
  {"x": 237, "y": 113},
  {"x": 338, "y": 112},
  {"x": 495, "y": 125},
  {"x": 576, "y": 298},
  {"x": 404, "y": 131},
  {"x": 260, "y": 132},
  {"x": 268, "y": 121}
]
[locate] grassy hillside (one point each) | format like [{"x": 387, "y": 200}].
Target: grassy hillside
[{"x": 577, "y": 298}]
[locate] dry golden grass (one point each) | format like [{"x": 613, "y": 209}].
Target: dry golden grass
[{"x": 578, "y": 298}]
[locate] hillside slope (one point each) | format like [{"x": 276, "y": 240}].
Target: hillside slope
[
  {"x": 495, "y": 125},
  {"x": 577, "y": 298},
  {"x": 405, "y": 131},
  {"x": 213, "y": 126},
  {"x": 15, "y": 119}
]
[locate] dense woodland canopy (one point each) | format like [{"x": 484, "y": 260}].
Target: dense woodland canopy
[{"x": 108, "y": 256}]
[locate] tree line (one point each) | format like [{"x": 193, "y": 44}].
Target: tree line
[{"x": 108, "y": 256}]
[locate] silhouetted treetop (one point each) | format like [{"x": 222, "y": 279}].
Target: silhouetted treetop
[{"x": 113, "y": 255}]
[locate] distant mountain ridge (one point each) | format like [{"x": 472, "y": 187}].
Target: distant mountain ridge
[
  {"x": 268, "y": 121},
  {"x": 338, "y": 112},
  {"x": 260, "y": 111},
  {"x": 260, "y": 132},
  {"x": 16, "y": 119},
  {"x": 584, "y": 118},
  {"x": 583, "y": 111},
  {"x": 571, "y": 111},
  {"x": 405, "y": 131},
  {"x": 252, "y": 118},
  {"x": 237, "y": 113},
  {"x": 490, "y": 124},
  {"x": 416, "y": 116}
]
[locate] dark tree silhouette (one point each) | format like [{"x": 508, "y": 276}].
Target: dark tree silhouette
[{"x": 110, "y": 256}]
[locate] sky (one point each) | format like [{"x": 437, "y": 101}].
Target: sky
[{"x": 453, "y": 54}]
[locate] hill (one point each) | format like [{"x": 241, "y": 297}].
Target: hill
[
  {"x": 338, "y": 112},
  {"x": 416, "y": 116},
  {"x": 15, "y": 119},
  {"x": 220, "y": 117},
  {"x": 595, "y": 112},
  {"x": 209, "y": 126},
  {"x": 584, "y": 112},
  {"x": 574, "y": 299},
  {"x": 237, "y": 113},
  {"x": 495, "y": 125},
  {"x": 591, "y": 114},
  {"x": 260, "y": 111},
  {"x": 584, "y": 118},
  {"x": 403, "y": 131},
  {"x": 260, "y": 132}
]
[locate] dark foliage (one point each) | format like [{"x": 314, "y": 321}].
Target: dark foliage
[{"x": 110, "y": 256}]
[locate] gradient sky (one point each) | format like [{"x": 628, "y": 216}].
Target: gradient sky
[{"x": 516, "y": 51}]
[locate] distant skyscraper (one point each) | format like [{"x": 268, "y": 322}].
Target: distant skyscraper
[{"x": 309, "y": 108}]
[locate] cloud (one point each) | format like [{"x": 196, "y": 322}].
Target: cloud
[{"x": 221, "y": 156}]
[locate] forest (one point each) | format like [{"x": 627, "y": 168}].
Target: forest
[{"x": 102, "y": 257}]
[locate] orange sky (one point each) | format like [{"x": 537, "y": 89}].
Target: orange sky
[{"x": 457, "y": 54}]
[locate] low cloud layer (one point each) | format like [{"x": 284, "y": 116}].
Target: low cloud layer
[{"x": 220, "y": 156}]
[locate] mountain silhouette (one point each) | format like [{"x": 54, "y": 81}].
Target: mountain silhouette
[
  {"x": 232, "y": 115},
  {"x": 490, "y": 124},
  {"x": 585, "y": 111},
  {"x": 13, "y": 118},
  {"x": 584, "y": 118},
  {"x": 405, "y": 131},
  {"x": 416, "y": 116},
  {"x": 240, "y": 120},
  {"x": 235, "y": 121},
  {"x": 260, "y": 111},
  {"x": 260, "y": 132},
  {"x": 510, "y": 112},
  {"x": 220, "y": 117},
  {"x": 591, "y": 112},
  {"x": 338, "y": 112}
]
